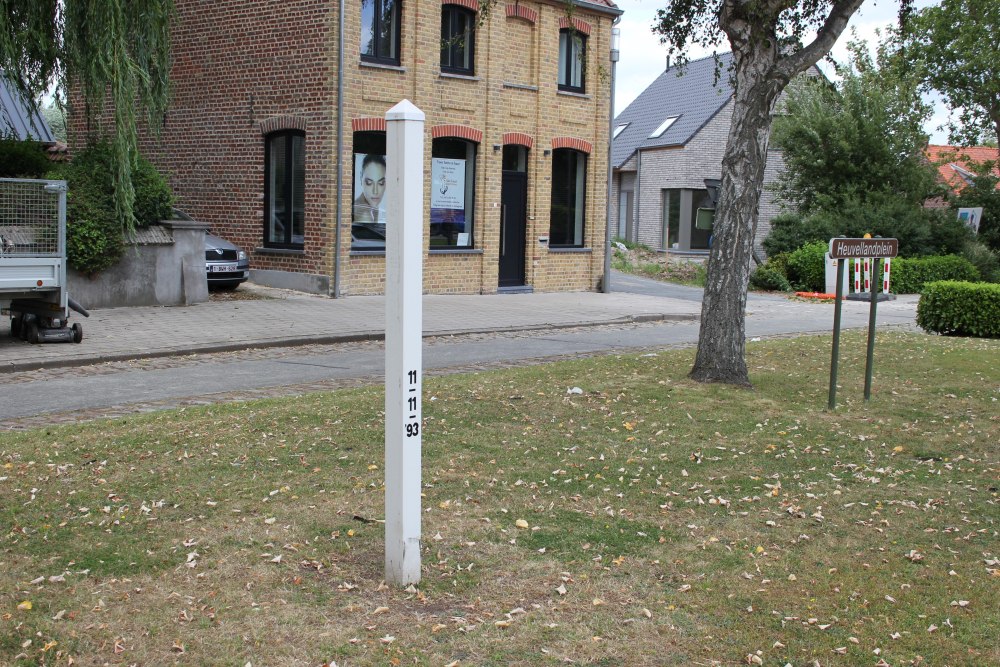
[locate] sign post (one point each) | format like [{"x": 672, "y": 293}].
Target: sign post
[
  {"x": 403, "y": 331},
  {"x": 842, "y": 249}
]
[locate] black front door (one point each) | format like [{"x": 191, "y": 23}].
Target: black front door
[{"x": 513, "y": 225}]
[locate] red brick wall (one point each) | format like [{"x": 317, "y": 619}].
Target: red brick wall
[{"x": 241, "y": 68}]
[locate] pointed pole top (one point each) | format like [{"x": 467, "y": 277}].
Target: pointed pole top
[{"x": 405, "y": 110}]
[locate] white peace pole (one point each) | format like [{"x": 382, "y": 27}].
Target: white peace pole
[{"x": 403, "y": 328}]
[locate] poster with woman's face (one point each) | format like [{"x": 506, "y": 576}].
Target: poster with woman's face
[{"x": 369, "y": 189}]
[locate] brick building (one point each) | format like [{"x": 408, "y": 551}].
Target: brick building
[
  {"x": 667, "y": 143},
  {"x": 272, "y": 137}
]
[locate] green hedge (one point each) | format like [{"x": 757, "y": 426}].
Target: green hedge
[
  {"x": 960, "y": 308},
  {"x": 909, "y": 275}
]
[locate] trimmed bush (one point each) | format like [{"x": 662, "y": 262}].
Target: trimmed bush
[
  {"x": 806, "y": 267},
  {"x": 909, "y": 275},
  {"x": 960, "y": 308},
  {"x": 767, "y": 278}
]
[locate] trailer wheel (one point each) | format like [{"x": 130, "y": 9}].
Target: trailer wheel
[
  {"x": 15, "y": 326},
  {"x": 32, "y": 333},
  {"x": 77, "y": 332}
]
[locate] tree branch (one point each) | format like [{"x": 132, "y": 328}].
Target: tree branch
[{"x": 827, "y": 35}]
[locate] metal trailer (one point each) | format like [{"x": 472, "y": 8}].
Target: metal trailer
[{"x": 33, "y": 261}]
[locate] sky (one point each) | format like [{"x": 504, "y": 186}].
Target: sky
[{"x": 642, "y": 58}]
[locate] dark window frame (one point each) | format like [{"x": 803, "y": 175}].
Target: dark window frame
[
  {"x": 380, "y": 42},
  {"x": 562, "y": 182},
  {"x": 288, "y": 186},
  {"x": 455, "y": 45},
  {"x": 577, "y": 50}
]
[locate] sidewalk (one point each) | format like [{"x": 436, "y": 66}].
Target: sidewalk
[{"x": 286, "y": 318}]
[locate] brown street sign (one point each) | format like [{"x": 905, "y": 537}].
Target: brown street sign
[{"x": 847, "y": 248}]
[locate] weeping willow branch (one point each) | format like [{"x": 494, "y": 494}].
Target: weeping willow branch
[{"x": 112, "y": 51}]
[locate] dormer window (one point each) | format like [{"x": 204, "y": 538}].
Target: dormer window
[{"x": 664, "y": 126}]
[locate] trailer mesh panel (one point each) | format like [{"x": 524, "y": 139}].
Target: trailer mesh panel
[{"x": 29, "y": 219}]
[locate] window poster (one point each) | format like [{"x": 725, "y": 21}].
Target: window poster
[
  {"x": 447, "y": 191},
  {"x": 369, "y": 186}
]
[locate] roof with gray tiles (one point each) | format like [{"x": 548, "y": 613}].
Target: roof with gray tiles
[
  {"x": 691, "y": 93},
  {"x": 21, "y": 120}
]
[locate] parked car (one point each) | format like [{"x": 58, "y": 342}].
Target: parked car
[{"x": 226, "y": 264}]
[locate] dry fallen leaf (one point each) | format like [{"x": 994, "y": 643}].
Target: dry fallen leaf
[
  {"x": 521, "y": 523},
  {"x": 25, "y": 606}
]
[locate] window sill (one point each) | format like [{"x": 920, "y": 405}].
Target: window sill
[
  {"x": 459, "y": 76},
  {"x": 455, "y": 251},
  {"x": 520, "y": 86},
  {"x": 367, "y": 253},
  {"x": 570, "y": 250},
  {"x": 383, "y": 66},
  {"x": 572, "y": 93},
  {"x": 263, "y": 250}
]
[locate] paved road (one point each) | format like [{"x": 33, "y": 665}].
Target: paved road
[{"x": 70, "y": 394}]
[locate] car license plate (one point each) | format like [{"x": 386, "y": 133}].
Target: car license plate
[{"x": 222, "y": 268}]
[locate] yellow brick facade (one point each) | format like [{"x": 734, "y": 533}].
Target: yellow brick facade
[{"x": 513, "y": 90}]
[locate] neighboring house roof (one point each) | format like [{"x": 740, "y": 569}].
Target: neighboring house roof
[
  {"x": 20, "y": 119},
  {"x": 955, "y": 164},
  {"x": 693, "y": 98}
]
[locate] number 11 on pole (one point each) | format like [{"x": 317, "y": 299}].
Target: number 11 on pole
[{"x": 412, "y": 404}]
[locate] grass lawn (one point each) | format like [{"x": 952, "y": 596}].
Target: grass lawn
[{"x": 647, "y": 521}]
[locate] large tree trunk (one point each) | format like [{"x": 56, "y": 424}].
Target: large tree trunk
[
  {"x": 722, "y": 338},
  {"x": 760, "y": 74}
]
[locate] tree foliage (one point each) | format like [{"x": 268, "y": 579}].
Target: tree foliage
[
  {"x": 112, "y": 50},
  {"x": 955, "y": 44},
  {"x": 768, "y": 39},
  {"x": 859, "y": 143}
]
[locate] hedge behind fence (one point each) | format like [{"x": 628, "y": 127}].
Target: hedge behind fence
[{"x": 960, "y": 308}]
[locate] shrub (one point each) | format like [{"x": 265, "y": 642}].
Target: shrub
[
  {"x": 986, "y": 260},
  {"x": 153, "y": 199},
  {"x": 94, "y": 238},
  {"x": 960, "y": 308},
  {"x": 769, "y": 279},
  {"x": 806, "y": 267},
  {"x": 909, "y": 275},
  {"x": 919, "y": 231},
  {"x": 23, "y": 159}
]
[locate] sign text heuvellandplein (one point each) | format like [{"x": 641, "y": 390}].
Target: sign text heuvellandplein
[{"x": 847, "y": 248}]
